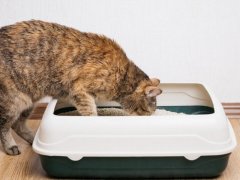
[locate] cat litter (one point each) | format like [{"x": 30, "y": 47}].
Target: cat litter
[{"x": 189, "y": 136}]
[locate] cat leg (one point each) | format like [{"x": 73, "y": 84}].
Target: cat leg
[
  {"x": 7, "y": 140},
  {"x": 7, "y": 118},
  {"x": 20, "y": 126},
  {"x": 12, "y": 103},
  {"x": 84, "y": 103}
]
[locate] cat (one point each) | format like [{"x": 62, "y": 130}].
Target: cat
[{"x": 39, "y": 59}]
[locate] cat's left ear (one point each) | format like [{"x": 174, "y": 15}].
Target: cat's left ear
[
  {"x": 152, "y": 91},
  {"x": 155, "y": 81}
]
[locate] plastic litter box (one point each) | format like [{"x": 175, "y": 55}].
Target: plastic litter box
[{"x": 196, "y": 144}]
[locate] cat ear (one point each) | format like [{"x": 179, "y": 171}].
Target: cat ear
[
  {"x": 155, "y": 81},
  {"x": 152, "y": 91}
]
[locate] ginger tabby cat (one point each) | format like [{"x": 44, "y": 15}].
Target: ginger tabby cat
[{"x": 39, "y": 59}]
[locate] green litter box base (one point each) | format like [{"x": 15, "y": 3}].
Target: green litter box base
[{"x": 134, "y": 167}]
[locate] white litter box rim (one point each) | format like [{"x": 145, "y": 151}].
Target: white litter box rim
[{"x": 49, "y": 142}]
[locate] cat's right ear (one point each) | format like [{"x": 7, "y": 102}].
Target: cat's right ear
[{"x": 152, "y": 91}]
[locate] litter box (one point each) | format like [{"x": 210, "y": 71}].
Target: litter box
[{"x": 195, "y": 144}]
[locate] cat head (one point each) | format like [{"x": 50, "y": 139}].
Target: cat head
[{"x": 143, "y": 100}]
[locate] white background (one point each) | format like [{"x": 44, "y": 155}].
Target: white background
[{"x": 175, "y": 40}]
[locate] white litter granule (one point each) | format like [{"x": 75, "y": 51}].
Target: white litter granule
[{"x": 120, "y": 112}]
